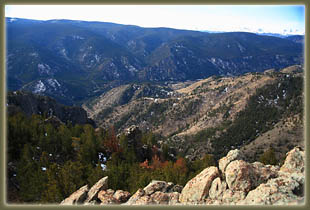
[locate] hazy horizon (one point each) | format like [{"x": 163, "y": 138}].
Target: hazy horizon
[{"x": 281, "y": 19}]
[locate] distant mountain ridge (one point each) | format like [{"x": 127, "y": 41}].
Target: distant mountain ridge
[{"x": 73, "y": 61}]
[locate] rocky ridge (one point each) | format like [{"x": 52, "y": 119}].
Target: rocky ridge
[{"x": 234, "y": 182}]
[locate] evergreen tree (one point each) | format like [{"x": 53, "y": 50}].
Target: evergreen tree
[
  {"x": 268, "y": 157},
  {"x": 53, "y": 191},
  {"x": 71, "y": 177},
  {"x": 30, "y": 177}
]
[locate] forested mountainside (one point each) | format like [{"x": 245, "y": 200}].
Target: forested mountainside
[
  {"x": 73, "y": 61},
  {"x": 261, "y": 114},
  {"x": 212, "y": 115},
  {"x": 32, "y": 104}
]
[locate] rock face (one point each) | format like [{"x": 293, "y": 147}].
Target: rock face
[
  {"x": 157, "y": 192},
  {"x": 231, "y": 156},
  {"x": 77, "y": 197},
  {"x": 106, "y": 197},
  {"x": 241, "y": 183},
  {"x": 217, "y": 188},
  {"x": 198, "y": 188},
  {"x": 102, "y": 184},
  {"x": 240, "y": 176},
  {"x": 121, "y": 196},
  {"x": 294, "y": 161}
]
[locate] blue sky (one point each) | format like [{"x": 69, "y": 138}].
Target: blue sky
[{"x": 269, "y": 18}]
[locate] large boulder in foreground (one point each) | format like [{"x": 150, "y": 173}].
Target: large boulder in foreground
[
  {"x": 155, "y": 185},
  {"x": 197, "y": 189},
  {"x": 240, "y": 176},
  {"x": 287, "y": 189},
  {"x": 106, "y": 197},
  {"x": 78, "y": 197},
  {"x": 156, "y": 193},
  {"x": 294, "y": 162},
  {"x": 231, "y": 156},
  {"x": 121, "y": 196},
  {"x": 102, "y": 184},
  {"x": 218, "y": 187}
]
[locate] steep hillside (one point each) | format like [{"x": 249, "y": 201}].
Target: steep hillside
[
  {"x": 32, "y": 104},
  {"x": 214, "y": 114},
  {"x": 88, "y": 58}
]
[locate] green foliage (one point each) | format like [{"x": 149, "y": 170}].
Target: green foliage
[
  {"x": 269, "y": 157},
  {"x": 30, "y": 177},
  {"x": 105, "y": 112},
  {"x": 199, "y": 164},
  {"x": 53, "y": 191}
]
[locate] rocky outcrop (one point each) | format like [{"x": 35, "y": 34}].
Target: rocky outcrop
[
  {"x": 217, "y": 189},
  {"x": 77, "y": 197},
  {"x": 241, "y": 183},
  {"x": 198, "y": 188},
  {"x": 294, "y": 162},
  {"x": 107, "y": 197},
  {"x": 102, "y": 184},
  {"x": 157, "y": 192},
  {"x": 121, "y": 196},
  {"x": 231, "y": 156}
]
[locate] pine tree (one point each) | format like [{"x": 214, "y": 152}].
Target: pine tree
[
  {"x": 268, "y": 157},
  {"x": 53, "y": 191},
  {"x": 30, "y": 176}
]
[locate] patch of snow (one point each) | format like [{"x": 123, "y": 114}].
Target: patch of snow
[
  {"x": 100, "y": 156},
  {"x": 77, "y": 37},
  {"x": 53, "y": 82},
  {"x": 103, "y": 166},
  {"x": 241, "y": 48},
  {"x": 132, "y": 68},
  {"x": 97, "y": 58},
  {"x": 34, "y": 54},
  {"x": 64, "y": 53},
  {"x": 44, "y": 69},
  {"x": 39, "y": 87}
]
